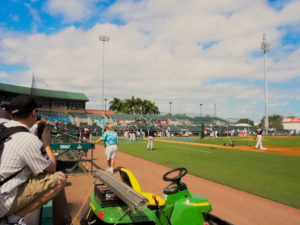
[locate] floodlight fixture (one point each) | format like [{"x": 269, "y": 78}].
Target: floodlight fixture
[
  {"x": 265, "y": 46},
  {"x": 201, "y": 109},
  {"x": 105, "y": 106}
]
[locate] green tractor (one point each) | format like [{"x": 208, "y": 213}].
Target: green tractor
[{"x": 122, "y": 202}]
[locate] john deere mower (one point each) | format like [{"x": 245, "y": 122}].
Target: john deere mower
[{"x": 123, "y": 202}]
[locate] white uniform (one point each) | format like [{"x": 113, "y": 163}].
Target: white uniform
[
  {"x": 150, "y": 142},
  {"x": 24, "y": 150},
  {"x": 259, "y": 140}
]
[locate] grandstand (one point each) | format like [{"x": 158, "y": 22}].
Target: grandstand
[
  {"x": 48, "y": 100},
  {"x": 69, "y": 108},
  {"x": 95, "y": 116}
]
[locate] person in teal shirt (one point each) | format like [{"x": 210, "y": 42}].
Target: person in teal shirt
[{"x": 111, "y": 140}]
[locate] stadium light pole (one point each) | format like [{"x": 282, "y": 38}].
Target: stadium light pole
[
  {"x": 265, "y": 46},
  {"x": 215, "y": 110},
  {"x": 103, "y": 39},
  {"x": 105, "y": 106},
  {"x": 170, "y": 108},
  {"x": 200, "y": 110}
]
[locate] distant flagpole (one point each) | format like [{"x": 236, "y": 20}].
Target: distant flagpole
[
  {"x": 33, "y": 86},
  {"x": 36, "y": 83}
]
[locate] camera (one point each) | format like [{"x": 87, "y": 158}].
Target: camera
[{"x": 40, "y": 128}]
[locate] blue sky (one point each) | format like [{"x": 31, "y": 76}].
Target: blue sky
[{"x": 189, "y": 52}]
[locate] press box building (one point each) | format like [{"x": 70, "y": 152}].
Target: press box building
[{"x": 48, "y": 100}]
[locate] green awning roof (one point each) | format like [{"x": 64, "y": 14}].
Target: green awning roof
[{"x": 43, "y": 92}]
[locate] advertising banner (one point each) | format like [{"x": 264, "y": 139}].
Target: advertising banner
[
  {"x": 162, "y": 122},
  {"x": 99, "y": 121},
  {"x": 291, "y": 120},
  {"x": 126, "y": 121}
]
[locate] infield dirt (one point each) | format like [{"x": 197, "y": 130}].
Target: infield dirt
[{"x": 285, "y": 150}]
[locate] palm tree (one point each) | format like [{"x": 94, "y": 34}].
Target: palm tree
[
  {"x": 116, "y": 104},
  {"x": 130, "y": 105},
  {"x": 134, "y": 105},
  {"x": 154, "y": 109},
  {"x": 150, "y": 107},
  {"x": 138, "y": 105}
]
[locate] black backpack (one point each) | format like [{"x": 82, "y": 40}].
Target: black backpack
[{"x": 5, "y": 133}]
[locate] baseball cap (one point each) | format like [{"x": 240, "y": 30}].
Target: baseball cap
[{"x": 22, "y": 104}]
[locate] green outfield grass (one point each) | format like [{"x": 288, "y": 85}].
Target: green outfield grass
[
  {"x": 272, "y": 176},
  {"x": 274, "y": 141},
  {"x": 268, "y": 141}
]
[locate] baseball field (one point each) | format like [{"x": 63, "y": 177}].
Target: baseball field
[{"x": 272, "y": 174}]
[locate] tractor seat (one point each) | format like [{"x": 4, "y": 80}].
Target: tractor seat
[{"x": 129, "y": 179}]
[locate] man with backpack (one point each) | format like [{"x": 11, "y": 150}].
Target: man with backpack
[{"x": 28, "y": 174}]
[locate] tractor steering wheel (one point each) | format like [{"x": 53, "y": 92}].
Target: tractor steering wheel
[{"x": 181, "y": 172}]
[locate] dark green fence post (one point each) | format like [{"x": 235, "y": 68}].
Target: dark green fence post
[{"x": 202, "y": 131}]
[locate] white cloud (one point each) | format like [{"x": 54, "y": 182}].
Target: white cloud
[
  {"x": 71, "y": 10},
  {"x": 158, "y": 54},
  {"x": 33, "y": 12}
]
